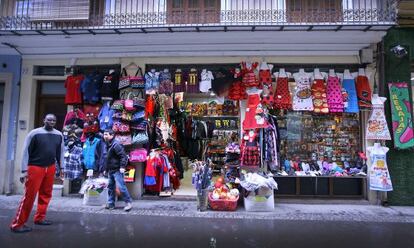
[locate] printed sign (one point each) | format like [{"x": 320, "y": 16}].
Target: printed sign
[{"x": 402, "y": 121}]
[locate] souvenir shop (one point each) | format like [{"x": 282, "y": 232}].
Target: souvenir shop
[{"x": 301, "y": 125}]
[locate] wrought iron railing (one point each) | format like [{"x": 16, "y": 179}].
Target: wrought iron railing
[{"x": 119, "y": 14}]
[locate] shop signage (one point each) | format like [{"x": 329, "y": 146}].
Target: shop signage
[{"x": 402, "y": 121}]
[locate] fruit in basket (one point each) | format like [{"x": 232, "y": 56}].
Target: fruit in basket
[
  {"x": 220, "y": 180},
  {"x": 234, "y": 192},
  {"x": 218, "y": 185},
  {"x": 215, "y": 195},
  {"x": 223, "y": 195}
]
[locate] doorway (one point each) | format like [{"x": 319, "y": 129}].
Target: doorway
[{"x": 51, "y": 99}]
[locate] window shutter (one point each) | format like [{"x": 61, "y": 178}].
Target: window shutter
[{"x": 59, "y": 10}]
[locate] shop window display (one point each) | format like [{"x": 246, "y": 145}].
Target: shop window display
[{"x": 312, "y": 144}]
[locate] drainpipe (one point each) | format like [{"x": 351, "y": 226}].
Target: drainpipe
[{"x": 14, "y": 115}]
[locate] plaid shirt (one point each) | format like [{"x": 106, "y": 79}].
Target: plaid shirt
[{"x": 73, "y": 162}]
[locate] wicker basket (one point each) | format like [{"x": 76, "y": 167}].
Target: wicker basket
[{"x": 222, "y": 204}]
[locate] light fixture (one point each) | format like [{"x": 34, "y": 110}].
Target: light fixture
[{"x": 399, "y": 51}]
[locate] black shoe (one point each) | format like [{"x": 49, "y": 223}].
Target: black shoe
[
  {"x": 22, "y": 229},
  {"x": 43, "y": 223},
  {"x": 110, "y": 207}
]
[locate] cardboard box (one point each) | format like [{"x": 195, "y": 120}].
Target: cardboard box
[
  {"x": 57, "y": 190},
  {"x": 93, "y": 197},
  {"x": 263, "y": 201}
]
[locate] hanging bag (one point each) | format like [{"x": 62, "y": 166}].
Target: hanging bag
[
  {"x": 140, "y": 138},
  {"x": 137, "y": 81},
  {"x": 129, "y": 103},
  {"x": 138, "y": 155},
  {"x": 124, "y": 139}
]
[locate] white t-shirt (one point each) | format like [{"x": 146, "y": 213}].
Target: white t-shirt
[{"x": 205, "y": 83}]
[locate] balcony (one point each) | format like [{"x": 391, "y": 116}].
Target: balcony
[{"x": 118, "y": 16}]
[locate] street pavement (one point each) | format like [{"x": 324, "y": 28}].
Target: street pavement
[{"x": 164, "y": 223}]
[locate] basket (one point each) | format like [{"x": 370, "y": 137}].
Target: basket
[{"x": 222, "y": 204}]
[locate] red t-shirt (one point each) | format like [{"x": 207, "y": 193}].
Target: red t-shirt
[{"x": 73, "y": 93}]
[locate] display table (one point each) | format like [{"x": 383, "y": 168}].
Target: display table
[{"x": 321, "y": 186}]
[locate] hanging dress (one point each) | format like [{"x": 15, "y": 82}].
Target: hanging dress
[
  {"x": 249, "y": 78},
  {"x": 282, "y": 98},
  {"x": 237, "y": 91},
  {"x": 265, "y": 78},
  {"x": 320, "y": 103},
  {"x": 255, "y": 116},
  {"x": 250, "y": 152},
  {"x": 205, "y": 83},
  {"x": 302, "y": 98},
  {"x": 364, "y": 92},
  {"x": 351, "y": 102},
  {"x": 334, "y": 95}
]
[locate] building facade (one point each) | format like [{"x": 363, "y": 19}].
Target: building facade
[{"x": 51, "y": 35}]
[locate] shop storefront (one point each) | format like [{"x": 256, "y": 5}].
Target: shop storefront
[{"x": 182, "y": 113}]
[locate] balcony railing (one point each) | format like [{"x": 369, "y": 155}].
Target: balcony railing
[{"x": 130, "y": 14}]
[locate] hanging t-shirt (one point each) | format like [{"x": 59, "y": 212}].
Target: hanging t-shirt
[
  {"x": 109, "y": 88},
  {"x": 193, "y": 82},
  {"x": 89, "y": 150},
  {"x": 377, "y": 128},
  {"x": 91, "y": 85},
  {"x": 73, "y": 89},
  {"x": 179, "y": 84},
  {"x": 302, "y": 98},
  {"x": 152, "y": 82},
  {"x": 379, "y": 176},
  {"x": 206, "y": 78}
]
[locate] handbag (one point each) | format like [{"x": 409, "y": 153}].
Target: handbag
[
  {"x": 140, "y": 138},
  {"x": 129, "y": 103},
  {"x": 126, "y": 116},
  {"x": 138, "y": 117},
  {"x": 138, "y": 155},
  {"x": 142, "y": 126},
  {"x": 118, "y": 105},
  {"x": 124, "y": 139},
  {"x": 138, "y": 81},
  {"x": 120, "y": 127}
]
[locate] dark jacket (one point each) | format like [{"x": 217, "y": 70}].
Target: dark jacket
[{"x": 116, "y": 157}]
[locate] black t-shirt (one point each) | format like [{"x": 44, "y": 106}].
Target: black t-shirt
[{"x": 109, "y": 88}]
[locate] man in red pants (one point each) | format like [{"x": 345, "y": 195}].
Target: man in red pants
[{"x": 43, "y": 147}]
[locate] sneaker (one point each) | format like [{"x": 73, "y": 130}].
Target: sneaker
[
  {"x": 22, "y": 229},
  {"x": 109, "y": 206},
  {"x": 128, "y": 207}
]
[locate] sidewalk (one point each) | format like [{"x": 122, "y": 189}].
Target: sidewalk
[{"x": 283, "y": 211}]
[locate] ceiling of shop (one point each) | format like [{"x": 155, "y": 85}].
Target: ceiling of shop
[{"x": 234, "y": 43}]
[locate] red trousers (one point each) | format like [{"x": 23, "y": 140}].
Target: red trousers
[{"x": 39, "y": 180}]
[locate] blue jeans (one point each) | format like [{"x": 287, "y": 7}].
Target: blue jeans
[{"x": 118, "y": 178}]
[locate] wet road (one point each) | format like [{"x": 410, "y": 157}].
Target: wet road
[{"x": 116, "y": 230}]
